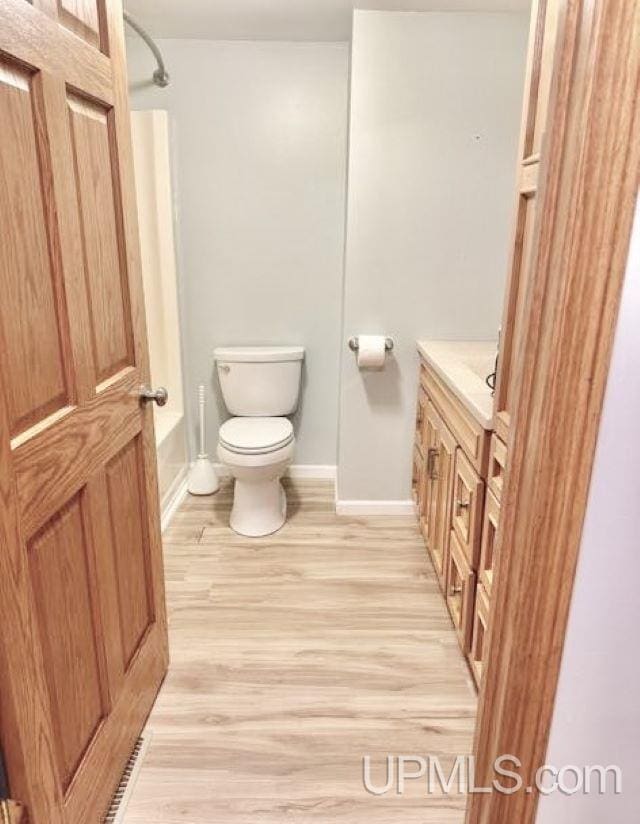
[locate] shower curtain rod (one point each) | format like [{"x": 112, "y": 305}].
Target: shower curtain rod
[{"x": 160, "y": 75}]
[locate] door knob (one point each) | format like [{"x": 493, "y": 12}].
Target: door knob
[{"x": 159, "y": 395}]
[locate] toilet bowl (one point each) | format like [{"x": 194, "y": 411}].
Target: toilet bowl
[
  {"x": 260, "y": 386},
  {"x": 257, "y": 452}
]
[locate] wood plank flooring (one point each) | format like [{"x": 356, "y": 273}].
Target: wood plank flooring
[{"x": 294, "y": 656}]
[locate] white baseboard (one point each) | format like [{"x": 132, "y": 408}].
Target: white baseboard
[
  {"x": 312, "y": 471},
  {"x": 174, "y": 496},
  {"x": 375, "y": 507}
]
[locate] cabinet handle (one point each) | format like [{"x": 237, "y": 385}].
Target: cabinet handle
[
  {"x": 456, "y": 590},
  {"x": 463, "y": 504}
]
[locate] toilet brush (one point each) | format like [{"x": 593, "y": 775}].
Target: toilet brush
[{"x": 203, "y": 479}]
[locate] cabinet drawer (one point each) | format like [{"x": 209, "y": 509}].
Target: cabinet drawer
[
  {"x": 479, "y": 635},
  {"x": 460, "y": 592},
  {"x": 487, "y": 551},
  {"x": 497, "y": 466},
  {"x": 466, "y": 515}
]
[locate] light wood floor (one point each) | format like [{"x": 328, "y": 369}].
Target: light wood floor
[{"x": 294, "y": 656}]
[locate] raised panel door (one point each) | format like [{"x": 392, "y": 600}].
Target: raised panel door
[{"x": 83, "y": 641}]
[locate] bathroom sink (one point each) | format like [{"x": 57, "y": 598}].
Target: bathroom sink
[{"x": 480, "y": 365}]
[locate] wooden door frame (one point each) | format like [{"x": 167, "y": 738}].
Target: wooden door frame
[{"x": 591, "y": 168}]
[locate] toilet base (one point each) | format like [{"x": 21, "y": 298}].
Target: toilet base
[{"x": 259, "y": 507}]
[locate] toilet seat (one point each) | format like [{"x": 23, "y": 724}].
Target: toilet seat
[{"x": 255, "y": 436}]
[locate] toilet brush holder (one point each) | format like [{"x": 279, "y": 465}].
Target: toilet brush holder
[{"x": 203, "y": 479}]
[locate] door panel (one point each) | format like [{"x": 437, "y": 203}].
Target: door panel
[
  {"x": 68, "y": 634},
  {"x": 126, "y": 515},
  {"x": 83, "y": 641},
  {"x": 33, "y": 353},
  {"x": 100, "y": 209},
  {"x": 537, "y": 94},
  {"x": 82, "y": 17}
]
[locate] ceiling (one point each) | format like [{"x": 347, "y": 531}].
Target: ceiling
[{"x": 312, "y": 20}]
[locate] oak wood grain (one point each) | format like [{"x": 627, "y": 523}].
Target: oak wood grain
[
  {"x": 37, "y": 383},
  {"x": 83, "y": 642}
]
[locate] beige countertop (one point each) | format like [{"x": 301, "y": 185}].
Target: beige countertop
[{"x": 463, "y": 366}]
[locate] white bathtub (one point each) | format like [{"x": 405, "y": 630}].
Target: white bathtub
[{"x": 150, "y": 135}]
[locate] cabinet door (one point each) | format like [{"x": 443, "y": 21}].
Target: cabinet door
[
  {"x": 466, "y": 516},
  {"x": 497, "y": 466},
  {"x": 441, "y": 522},
  {"x": 479, "y": 633},
  {"x": 489, "y": 532},
  {"x": 420, "y": 419},
  {"x": 460, "y": 592},
  {"x": 429, "y": 488},
  {"x": 416, "y": 476}
]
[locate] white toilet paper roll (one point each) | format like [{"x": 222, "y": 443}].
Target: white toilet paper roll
[{"x": 371, "y": 351}]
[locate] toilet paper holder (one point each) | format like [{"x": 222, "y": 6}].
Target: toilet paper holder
[{"x": 354, "y": 345}]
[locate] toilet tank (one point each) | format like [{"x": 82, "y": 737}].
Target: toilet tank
[{"x": 260, "y": 381}]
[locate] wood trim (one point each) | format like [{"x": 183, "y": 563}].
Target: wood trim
[{"x": 588, "y": 191}]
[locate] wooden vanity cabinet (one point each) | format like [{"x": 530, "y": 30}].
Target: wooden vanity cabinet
[{"x": 451, "y": 494}]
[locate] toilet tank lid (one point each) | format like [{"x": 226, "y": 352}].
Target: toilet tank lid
[{"x": 258, "y": 354}]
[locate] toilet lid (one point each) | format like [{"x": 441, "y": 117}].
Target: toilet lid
[{"x": 256, "y": 435}]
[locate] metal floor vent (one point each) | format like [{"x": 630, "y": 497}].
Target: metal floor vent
[{"x": 118, "y": 806}]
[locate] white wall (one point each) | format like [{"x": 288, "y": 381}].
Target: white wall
[
  {"x": 259, "y": 150},
  {"x": 597, "y": 712},
  {"x": 435, "y": 117}
]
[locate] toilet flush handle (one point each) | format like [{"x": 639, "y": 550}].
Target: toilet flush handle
[{"x": 224, "y": 367}]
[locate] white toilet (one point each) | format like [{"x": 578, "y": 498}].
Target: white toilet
[{"x": 260, "y": 385}]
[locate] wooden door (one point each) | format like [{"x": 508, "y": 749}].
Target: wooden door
[
  {"x": 83, "y": 644},
  {"x": 542, "y": 41}
]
